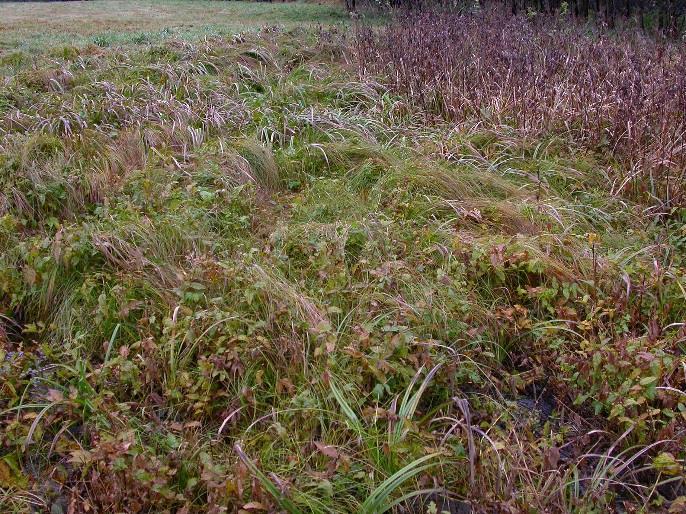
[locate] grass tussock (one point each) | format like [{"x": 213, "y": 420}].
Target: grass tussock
[{"x": 236, "y": 278}]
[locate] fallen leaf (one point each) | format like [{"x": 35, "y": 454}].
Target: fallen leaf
[
  {"x": 54, "y": 395},
  {"x": 254, "y": 506},
  {"x": 328, "y": 450},
  {"x": 551, "y": 458},
  {"x": 80, "y": 457},
  {"x": 5, "y": 474}
]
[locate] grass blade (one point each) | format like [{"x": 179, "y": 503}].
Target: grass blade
[{"x": 376, "y": 502}]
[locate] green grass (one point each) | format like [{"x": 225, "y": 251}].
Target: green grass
[
  {"x": 32, "y": 27},
  {"x": 233, "y": 275}
]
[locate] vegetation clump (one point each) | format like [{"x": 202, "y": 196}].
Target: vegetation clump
[
  {"x": 237, "y": 276},
  {"x": 620, "y": 94}
]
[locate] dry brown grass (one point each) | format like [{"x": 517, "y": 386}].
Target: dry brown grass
[{"x": 619, "y": 95}]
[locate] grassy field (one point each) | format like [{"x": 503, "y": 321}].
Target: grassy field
[
  {"x": 251, "y": 273},
  {"x": 34, "y": 25}
]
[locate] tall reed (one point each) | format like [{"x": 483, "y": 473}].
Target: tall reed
[{"x": 621, "y": 94}]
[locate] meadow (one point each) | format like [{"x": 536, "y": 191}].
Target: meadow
[
  {"x": 36, "y": 26},
  {"x": 326, "y": 267}
]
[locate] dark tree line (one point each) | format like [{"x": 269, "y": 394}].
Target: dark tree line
[
  {"x": 659, "y": 14},
  {"x": 668, "y": 16}
]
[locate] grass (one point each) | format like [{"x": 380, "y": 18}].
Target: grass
[
  {"x": 235, "y": 276},
  {"x": 535, "y": 76},
  {"x": 35, "y": 26}
]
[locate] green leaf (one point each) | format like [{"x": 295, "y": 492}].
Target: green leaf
[
  {"x": 666, "y": 463},
  {"x": 377, "y": 501},
  {"x": 647, "y": 380},
  {"x": 284, "y": 503}
]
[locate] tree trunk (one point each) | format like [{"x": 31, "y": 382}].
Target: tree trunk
[{"x": 610, "y": 13}]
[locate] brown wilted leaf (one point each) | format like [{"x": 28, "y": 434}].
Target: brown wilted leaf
[
  {"x": 5, "y": 474},
  {"x": 54, "y": 395},
  {"x": 80, "y": 457},
  {"x": 29, "y": 275},
  {"x": 551, "y": 458},
  {"x": 328, "y": 450},
  {"x": 497, "y": 255},
  {"x": 254, "y": 506},
  {"x": 285, "y": 385}
]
